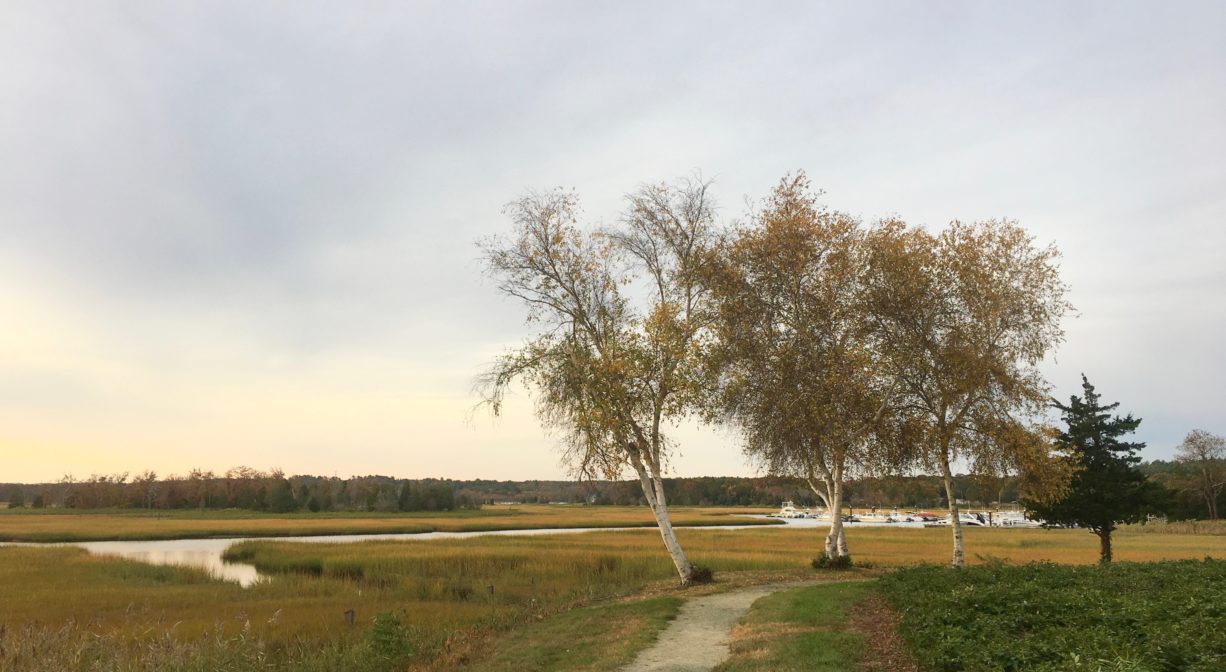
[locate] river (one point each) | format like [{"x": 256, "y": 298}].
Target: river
[{"x": 207, "y": 553}]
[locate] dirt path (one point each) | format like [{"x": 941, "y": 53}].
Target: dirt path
[
  {"x": 884, "y": 649},
  {"x": 698, "y": 638}
]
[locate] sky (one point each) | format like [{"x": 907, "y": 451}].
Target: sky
[{"x": 240, "y": 233}]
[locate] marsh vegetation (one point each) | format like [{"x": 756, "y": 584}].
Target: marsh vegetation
[
  {"x": 66, "y": 525},
  {"x": 428, "y": 604}
]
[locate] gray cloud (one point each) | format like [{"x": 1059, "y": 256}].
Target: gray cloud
[{"x": 311, "y": 180}]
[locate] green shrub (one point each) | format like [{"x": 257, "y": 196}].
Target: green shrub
[
  {"x": 1044, "y": 617},
  {"x": 701, "y": 574},
  {"x": 824, "y": 561},
  {"x": 389, "y": 638}
]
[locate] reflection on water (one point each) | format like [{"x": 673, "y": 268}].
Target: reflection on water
[{"x": 202, "y": 553}]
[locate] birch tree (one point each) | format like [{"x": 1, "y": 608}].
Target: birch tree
[
  {"x": 964, "y": 318},
  {"x": 1205, "y": 454},
  {"x": 621, "y": 317},
  {"x": 799, "y": 375}
]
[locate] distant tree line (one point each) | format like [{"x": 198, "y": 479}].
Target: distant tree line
[
  {"x": 1188, "y": 501},
  {"x": 249, "y": 489},
  {"x": 241, "y": 488},
  {"x": 244, "y": 488}
]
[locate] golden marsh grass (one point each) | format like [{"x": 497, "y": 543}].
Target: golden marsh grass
[
  {"x": 70, "y": 525},
  {"x": 440, "y": 588}
]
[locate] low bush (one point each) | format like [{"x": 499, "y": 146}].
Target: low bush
[
  {"x": 390, "y": 639},
  {"x": 824, "y": 561},
  {"x": 1045, "y": 617},
  {"x": 702, "y": 574}
]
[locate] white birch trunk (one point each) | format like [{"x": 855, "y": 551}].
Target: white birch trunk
[
  {"x": 653, "y": 490},
  {"x": 836, "y": 519},
  {"x": 955, "y": 520},
  {"x": 831, "y": 495},
  {"x": 831, "y": 547}
]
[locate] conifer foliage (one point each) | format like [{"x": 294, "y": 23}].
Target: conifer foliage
[{"x": 1106, "y": 488}]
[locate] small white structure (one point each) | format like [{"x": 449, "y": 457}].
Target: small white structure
[
  {"x": 789, "y": 510},
  {"x": 1015, "y": 519},
  {"x": 967, "y": 520}
]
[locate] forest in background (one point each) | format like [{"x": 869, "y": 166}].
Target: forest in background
[{"x": 275, "y": 492}]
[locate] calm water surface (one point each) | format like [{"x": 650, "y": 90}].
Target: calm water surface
[{"x": 206, "y": 553}]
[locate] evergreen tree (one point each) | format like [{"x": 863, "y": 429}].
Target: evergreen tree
[
  {"x": 1106, "y": 487},
  {"x": 405, "y": 502},
  {"x": 281, "y": 499}
]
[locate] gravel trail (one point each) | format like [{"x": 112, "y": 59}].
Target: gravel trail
[{"x": 698, "y": 638}]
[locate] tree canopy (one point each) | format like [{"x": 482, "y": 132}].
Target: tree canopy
[
  {"x": 963, "y": 319},
  {"x": 1204, "y": 454},
  {"x": 832, "y": 345},
  {"x": 622, "y": 316},
  {"x": 798, "y": 373}
]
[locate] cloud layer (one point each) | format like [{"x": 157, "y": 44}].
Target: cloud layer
[{"x": 244, "y": 234}]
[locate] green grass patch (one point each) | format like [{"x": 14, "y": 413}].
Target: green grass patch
[
  {"x": 597, "y": 638},
  {"x": 1136, "y": 617},
  {"x": 803, "y": 629}
]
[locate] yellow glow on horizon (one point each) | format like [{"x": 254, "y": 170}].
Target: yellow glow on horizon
[
  {"x": 106, "y": 389},
  {"x": 75, "y": 399}
]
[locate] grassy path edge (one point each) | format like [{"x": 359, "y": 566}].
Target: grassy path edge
[{"x": 805, "y": 628}]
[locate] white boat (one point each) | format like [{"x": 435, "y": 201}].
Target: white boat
[
  {"x": 882, "y": 517},
  {"x": 789, "y": 510},
  {"x": 967, "y": 520},
  {"x": 785, "y": 510},
  {"x": 1014, "y": 519}
]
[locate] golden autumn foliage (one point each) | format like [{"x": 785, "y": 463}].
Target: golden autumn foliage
[
  {"x": 833, "y": 345},
  {"x": 795, "y": 364},
  {"x": 964, "y": 318},
  {"x": 622, "y": 317}
]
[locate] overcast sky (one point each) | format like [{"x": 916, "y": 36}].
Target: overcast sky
[{"x": 243, "y": 233}]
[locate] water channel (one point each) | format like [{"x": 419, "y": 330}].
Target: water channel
[{"x": 206, "y": 553}]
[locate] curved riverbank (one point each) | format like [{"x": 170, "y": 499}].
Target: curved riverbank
[
  {"x": 209, "y": 553},
  {"x": 63, "y": 526}
]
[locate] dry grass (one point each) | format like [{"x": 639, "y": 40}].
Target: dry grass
[
  {"x": 773, "y": 548},
  {"x": 884, "y": 649},
  {"x": 890, "y": 547},
  {"x": 439, "y": 588},
  {"x": 802, "y": 629},
  {"x": 1215, "y": 527},
  {"x": 68, "y": 525}
]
